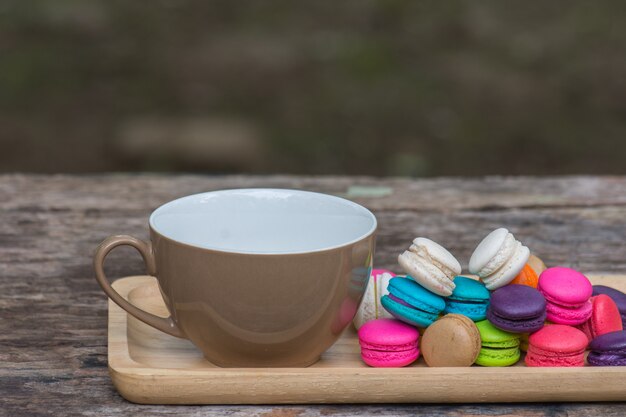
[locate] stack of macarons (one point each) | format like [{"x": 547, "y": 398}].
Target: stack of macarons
[
  {"x": 517, "y": 303},
  {"x": 575, "y": 319}
]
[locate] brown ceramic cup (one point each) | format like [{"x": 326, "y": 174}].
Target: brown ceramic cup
[{"x": 254, "y": 277}]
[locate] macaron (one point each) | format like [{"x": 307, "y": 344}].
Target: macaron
[
  {"x": 536, "y": 264},
  {"x": 410, "y": 302},
  {"x": 470, "y": 298},
  {"x": 453, "y": 340},
  {"x": 371, "y": 307},
  {"x": 605, "y": 317},
  {"x": 388, "y": 343},
  {"x": 517, "y": 309},
  {"x": 523, "y": 341},
  {"x": 527, "y": 276},
  {"x": 567, "y": 293},
  {"x": 430, "y": 265},
  {"x": 608, "y": 350},
  {"x": 617, "y": 296},
  {"x": 556, "y": 345},
  {"x": 498, "y": 258},
  {"x": 499, "y": 348}
]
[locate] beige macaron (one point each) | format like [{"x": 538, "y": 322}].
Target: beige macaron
[
  {"x": 430, "y": 265},
  {"x": 453, "y": 340}
]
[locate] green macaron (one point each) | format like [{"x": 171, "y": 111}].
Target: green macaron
[{"x": 499, "y": 348}]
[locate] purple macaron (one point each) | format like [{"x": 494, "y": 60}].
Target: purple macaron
[
  {"x": 517, "y": 309},
  {"x": 617, "y": 296},
  {"x": 608, "y": 349}
]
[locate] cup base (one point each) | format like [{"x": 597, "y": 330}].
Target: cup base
[{"x": 264, "y": 365}]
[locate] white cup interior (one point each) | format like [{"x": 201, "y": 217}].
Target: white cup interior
[{"x": 263, "y": 221}]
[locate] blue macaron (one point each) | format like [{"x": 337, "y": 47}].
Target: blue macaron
[
  {"x": 469, "y": 298},
  {"x": 410, "y": 302}
]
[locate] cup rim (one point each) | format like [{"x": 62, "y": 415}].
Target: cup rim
[{"x": 359, "y": 238}]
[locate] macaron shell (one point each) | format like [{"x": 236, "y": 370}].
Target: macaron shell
[
  {"x": 517, "y": 326},
  {"x": 439, "y": 254},
  {"x": 414, "y": 294},
  {"x": 407, "y": 314},
  {"x": 387, "y": 332},
  {"x": 559, "y": 339},
  {"x": 564, "y": 286},
  {"x": 534, "y": 359},
  {"x": 427, "y": 275},
  {"x": 498, "y": 357},
  {"x": 517, "y": 302},
  {"x": 452, "y": 341},
  {"x": 527, "y": 276},
  {"x": 491, "y": 336},
  {"x": 487, "y": 249},
  {"x": 605, "y": 359},
  {"x": 469, "y": 289},
  {"x": 474, "y": 311},
  {"x": 509, "y": 270},
  {"x": 616, "y": 295},
  {"x": 379, "y": 359},
  {"x": 570, "y": 316},
  {"x": 605, "y": 317}
]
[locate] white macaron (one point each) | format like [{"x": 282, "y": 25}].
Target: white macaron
[
  {"x": 371, "y": 307},
  {"x": 498, "y": 258},
  {"x": 430, "y": 265}
]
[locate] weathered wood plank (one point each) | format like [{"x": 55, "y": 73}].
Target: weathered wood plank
[{"x": 53, "y": 315}]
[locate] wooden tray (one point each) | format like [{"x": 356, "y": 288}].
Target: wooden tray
[{"x": 150, "y": 367}]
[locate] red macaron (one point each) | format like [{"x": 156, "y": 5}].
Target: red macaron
[
  {"x": 605, "y": 317},
  {"x": 556, "y": 345}
]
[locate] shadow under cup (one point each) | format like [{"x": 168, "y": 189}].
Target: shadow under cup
[{"x": 256, "y": 277}]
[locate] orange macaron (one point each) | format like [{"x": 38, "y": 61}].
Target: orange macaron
[{"x": 527, "y": 276}]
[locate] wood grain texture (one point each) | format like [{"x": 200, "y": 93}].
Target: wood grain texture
[
  {"x": 53, "y": 331},
  {"x": 151, "y": 367}
]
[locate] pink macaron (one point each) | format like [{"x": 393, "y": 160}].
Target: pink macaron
[
  {"x": 388, "y": 343},
  {"x": 556, "y": 345},
  {"x": 567, "y": 293},
  {"x": 605, "y": 317}
]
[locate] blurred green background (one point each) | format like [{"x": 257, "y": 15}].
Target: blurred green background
[{"x": 416, "y": 88}]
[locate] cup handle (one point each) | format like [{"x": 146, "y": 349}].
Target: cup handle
[{"x": 166, "y": 325}]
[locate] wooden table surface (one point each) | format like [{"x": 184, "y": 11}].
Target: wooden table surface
[{"x": 53, "y": 352}]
